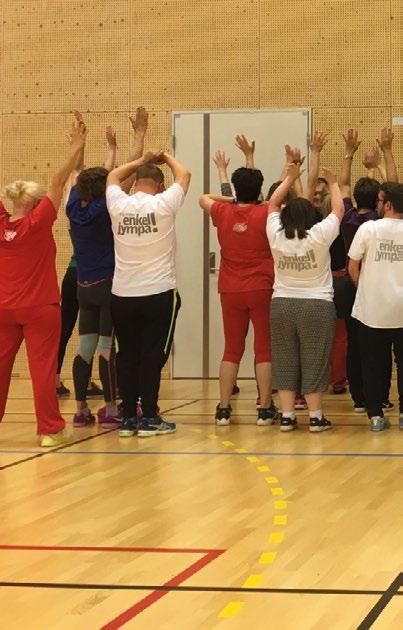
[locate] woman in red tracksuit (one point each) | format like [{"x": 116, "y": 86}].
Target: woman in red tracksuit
[{"x": 29, "y": 293}]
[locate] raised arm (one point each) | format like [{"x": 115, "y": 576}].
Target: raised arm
[
  {"x": 110, "y": 160},
  {"x": 206, "y": 201},
  {"x": 247, "y": 148},
  {"x": 385, "y": 145},
  {"x": 139, "y": 122},
  {"x": 292, "y": 174},
  {"x": 221, "y": 162},
  {"x": 351, "y": 144},
  {"x": 372, "y": 162},
  {"x": 121, "y": 173},
  {"x": 78, "y": 137},
  {"x": 336, "y": 199},
  {"x": 316, "y": 144},
  {"x": 180, "y": 173}
]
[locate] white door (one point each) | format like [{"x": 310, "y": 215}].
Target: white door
[{"x": 199, "y": 340}]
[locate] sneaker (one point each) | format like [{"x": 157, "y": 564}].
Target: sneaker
[
  {"x": 300, "y": 402},
  {"x": 339, "y": 390},
  {"x": 288, "y": 424},
  {"x": 128, "y": 427},
  {"x": 319, "y": 424},
  {"x": 62, "y": 390},
  {"x": 155, "y": 426},
  {"x": 55, "y": 439},
  {"x": 94, "y": 390},
  {"x": 223, "y": 415},
  {"x": 401, "y": 421},
  {"x": 235, "y": 390},
  {"x": 387, "y": 406},
  {"x": 83, "y": 420},
  {"x": 110, "y": 422},
  {"x": 378, "y": 423},
  {"x": 359, "y": 407},
  {"x": 267, "y": 415}
]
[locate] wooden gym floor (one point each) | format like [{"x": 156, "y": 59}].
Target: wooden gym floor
[{"x": 212, "y": 527}]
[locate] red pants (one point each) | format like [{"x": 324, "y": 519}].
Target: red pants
[
  {"x": 238, "y": 309},
  {"x": 338, "y": 357},
  {"x": 40, "y": 327}
]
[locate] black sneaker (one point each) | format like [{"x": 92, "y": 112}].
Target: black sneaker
[
  {"x": 94, "y": 390},
  {"x": 386, "y": 406},
  {"x": 288, "y": 424},
  {"x": 267, "y": 415},
  {"x": 316, "y": 424},
  {"x": 155, "y": 426},
  {"x": 223, "y": 415},
  {"x": 62, "y": 390},
  {"x": 128, "y": 427},
  {"x": 235, "y": 390}
]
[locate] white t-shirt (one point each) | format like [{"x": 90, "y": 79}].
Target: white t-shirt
[
  {"x": 302, "y": 266},
  {"x": 379, "y": 299},
  {"x": 144, "y": 234}
]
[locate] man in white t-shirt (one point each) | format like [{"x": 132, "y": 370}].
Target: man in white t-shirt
[
  {"x": 145, "y": 301},
  {"x": 376, "y": 265}
]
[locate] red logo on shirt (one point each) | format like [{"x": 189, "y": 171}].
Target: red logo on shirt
[
  {"x": 240, "y": 227},
  {"x": 9, "y": 235}
]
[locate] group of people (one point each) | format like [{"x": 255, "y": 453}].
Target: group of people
[
  {"x": 319, "y": 278},
  {"x": 290, "y": 265}
]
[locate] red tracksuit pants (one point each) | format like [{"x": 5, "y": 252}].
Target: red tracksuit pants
[{"x": 40, "y": 327}]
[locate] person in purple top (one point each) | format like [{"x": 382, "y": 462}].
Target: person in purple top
[{"x": 365, "y": 196}]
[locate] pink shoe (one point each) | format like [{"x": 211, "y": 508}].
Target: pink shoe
[
  {"x": 83, "y": 420},
  {"x": 110, "y": 422}
]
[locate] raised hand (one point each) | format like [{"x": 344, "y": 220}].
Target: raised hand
[
  {"x": 329, "y": 176},
  {"x": 110, "y": 136},
  {"x": 157, "y": 156},
  {"x": 372, "y": 158},
  {"x": 385, "y": 142},
  {"x": 318, "y": 141},
  {"x": 351, "y": 141},
  {"x": 294, "y": 170},
  {"x": 242, "y": 143},
  {"x": 293, "y": 155},
  {"x": 221, "y": 161},
  {"x": 139, "y": 120},
  {"x": 78, "y": 134}
]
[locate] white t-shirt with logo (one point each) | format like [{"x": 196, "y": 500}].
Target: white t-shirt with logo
[
  {"x": 379, "y": 299},
  {"x": 144, "y": 234},
  {"x": 302, "y": 266}
]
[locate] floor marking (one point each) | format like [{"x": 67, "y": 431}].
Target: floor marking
[
  {"x": 231, "y": 610},
  {"x": 280, "y": 505},
  {"x": 253, "y": 581},
  {"x": 241, "y": 450},
  {"x": 276, "y": 538},
  {"x": 263, "y": 469},
  {"x": 281, "y": 519},
  {"x": 277, "y": 492},
  {"x": 268, "y": 557},
  {"x": 252, "y": 459},
  {"x": 228, "y": 443},
  {"x": 271, "y": 479}
]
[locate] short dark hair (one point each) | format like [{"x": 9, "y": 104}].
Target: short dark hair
[
  {"x": 247, "y": 183},
  {"x": 366, "y": 193},
  {"x": 150, "y": 171},
  {"x": 91, "y": 183},
  {"x": 394, "y": 193},
  {"x": 299, "y": 215}
]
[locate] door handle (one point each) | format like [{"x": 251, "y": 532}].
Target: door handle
[{"x": 212, "y": 263}]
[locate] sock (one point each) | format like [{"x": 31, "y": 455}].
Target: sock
[
  {"x": 316, "y": 414},
  {"x": 288, "y": 414}
]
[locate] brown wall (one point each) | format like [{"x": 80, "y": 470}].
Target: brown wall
[{"x": 343, "y": 58}]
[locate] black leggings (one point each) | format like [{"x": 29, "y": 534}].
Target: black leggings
[
  {"x": 69, "y": 307},
  {"x": 144, "y": 329},
  {"x": 96, "y": 334}
]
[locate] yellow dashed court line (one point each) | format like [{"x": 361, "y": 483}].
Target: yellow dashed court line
[
  {"x": 268, "y": 557},
  {"x": 213, "y": 436},
  {"x": 277, "y": 492},
  {"x": 281, "y": 519},
  {"x": 231, "y": 610},
  {"x": 276, "y": 538},
  {"x": 263, "y": 469},
  {"x": 271, "y": 479},
  {"x": 241, "y": 450},
  {"x": 228, "y": 443},
  {"x": 253, "y": 459},
  {"x": 253, "y": 581},
  {"x": 280, "y": 505}
]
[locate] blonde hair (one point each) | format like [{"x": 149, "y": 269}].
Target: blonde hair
[
  {"x": 21, "y": 191},
  {"x": 326, "y": 206}
]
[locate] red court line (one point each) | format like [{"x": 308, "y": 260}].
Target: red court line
[
  {"x": 153, "y": 597},
  {"x": 110, "y": 549}
]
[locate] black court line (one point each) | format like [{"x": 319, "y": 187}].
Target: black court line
[
  {"x": 376, "y": 611},
  {"x": 86, "y": 439},
  {"x": 196, "y": 589}
]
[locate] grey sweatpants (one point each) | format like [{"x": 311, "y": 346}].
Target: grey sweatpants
[{"x": 301, "y": 339}]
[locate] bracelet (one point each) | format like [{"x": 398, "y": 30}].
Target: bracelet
[{"x": 348, "y": 157}]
